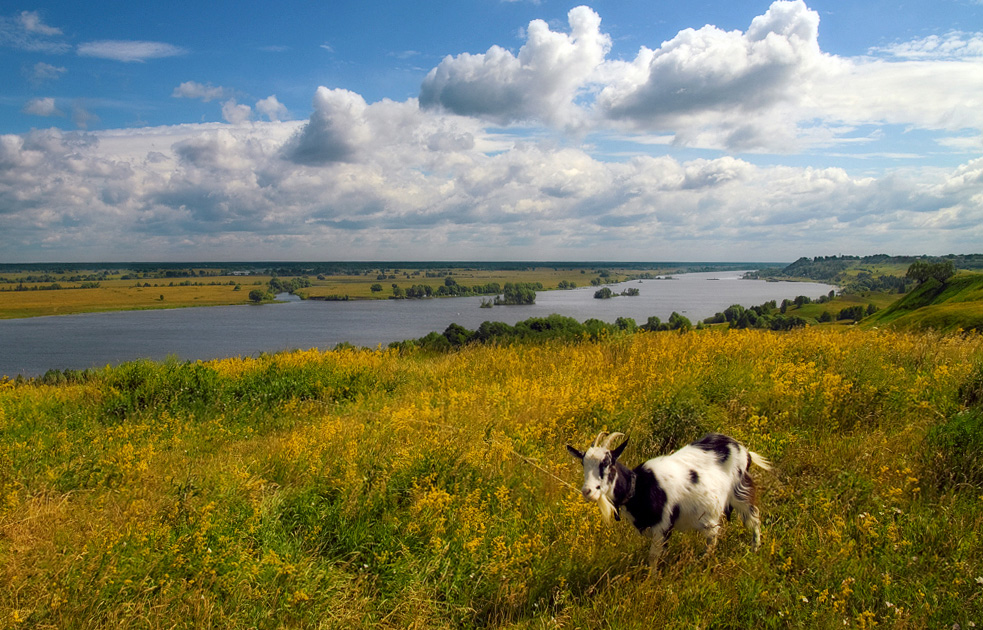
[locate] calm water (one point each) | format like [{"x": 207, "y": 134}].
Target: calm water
[{"x": 32, "y": 346}]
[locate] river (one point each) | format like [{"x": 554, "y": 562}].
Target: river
[{"x": 32, "y": 346}]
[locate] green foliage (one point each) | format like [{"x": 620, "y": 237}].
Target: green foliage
[
  {"x": 195, "y": 389},
  {"x": 922, "y": 270},
  {"x": 516, "y": 293},
  {"x": 626, "y": 324},
  {"x": 603, "y": 294},
  {"x": 955, "y": 450},
  {"x": 767, "y": 316},
  {"x": 855, "y": 313},
  {"x": 291, "y": 285},
  {"x": 955, "y": 304},
  {"x": 258, "y": 295},
  {"x": 676, "y": 322}
]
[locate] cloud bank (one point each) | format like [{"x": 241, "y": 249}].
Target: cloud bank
[{"x": 496, "y": 159}]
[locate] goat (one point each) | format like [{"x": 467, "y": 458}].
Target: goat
[{"x": 689, "y": 489}]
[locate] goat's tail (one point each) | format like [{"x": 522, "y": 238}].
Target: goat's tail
[{"x": 759, "y": 460}]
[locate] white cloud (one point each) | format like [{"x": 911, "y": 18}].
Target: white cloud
[
  {"x": 270, "y": 107},
  {"x": 769, "y": 88},
  {"x": 31, "y": 21},
  {"x": 41, "y": 72},
  {"x": 193, "y": 89},
  {"x": 336, "y": 130},
  {"x": 719, "y": 88},
  {"x": 541, "y": 83},
  {"x": 923, "y": 94},
  {"x": 236, "y": 113},
  {"x": 42, "y": 107},
  {"x": 952, "y": 45},
  {"x": 27, "y": 31},
  {"x": 421, "y": 180},
  {"x": 359, "y": 179},
  {"x": 129, "y": 51}
]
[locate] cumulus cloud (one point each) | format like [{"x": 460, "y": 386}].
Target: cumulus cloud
[
  {"x": 541, "y": 83},
  {"x": 201, "y": 91},
  {"x": 129, "y": 51},
  {"x": 427, "y": 182},
  {"x": 359, "y": 178},
  {"x": 273, "y": 109},
  {"x": 728, "y": 89},
  {"x": 236, "y": 113},
  {"x": 42, "y": 107},
  {"x": 767, "y": 88},
  {"x": 335, "y": 131}
]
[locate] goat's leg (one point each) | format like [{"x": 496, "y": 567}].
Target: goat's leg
[
  {"x": 751, "y": 519},
  {"x": 711, "y": 530},
  {"x": 659, "y": 539},
  {"x": 745, "y": 501}
]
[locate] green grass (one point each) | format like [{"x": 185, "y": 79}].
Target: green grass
[
  {"x": 955, "y": 305},
  {"x": 408, "y": 488}
]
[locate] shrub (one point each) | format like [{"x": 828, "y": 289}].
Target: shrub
[{"x": 955, "y": 449}]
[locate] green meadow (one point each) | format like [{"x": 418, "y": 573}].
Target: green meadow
[{"x": 412, "y": 488}]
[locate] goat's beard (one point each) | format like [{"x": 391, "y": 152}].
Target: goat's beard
[{"x": 607, "y": 508}]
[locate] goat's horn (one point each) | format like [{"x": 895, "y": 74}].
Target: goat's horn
[
  {"x": 612, "y": 438},
  {"x": 597, "y": 440}
]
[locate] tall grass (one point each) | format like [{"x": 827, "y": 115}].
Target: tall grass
[{"x": 411, "y": 489}]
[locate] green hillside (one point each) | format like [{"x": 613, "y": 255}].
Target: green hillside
[{"x": 945, "y": 307}]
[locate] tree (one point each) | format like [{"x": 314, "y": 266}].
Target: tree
[
  {"x": 376, "y": 288},
  {"x": 626, "y": 323},
  {"x": 679, "y": 322},
  {"x": 518, "y": 293},
  {"x": 922, "y": 270},
  {"x": 457, "y": 335}
]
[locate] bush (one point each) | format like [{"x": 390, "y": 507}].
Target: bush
[
  {"x": 856, "y": 313},
  {"x": 955, "y": 449},
  {"x": 257, "y": 296}
]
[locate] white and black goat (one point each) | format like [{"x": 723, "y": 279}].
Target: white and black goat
[{"x": 694, "y": 488}]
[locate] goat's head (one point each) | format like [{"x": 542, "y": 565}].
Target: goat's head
[{"x": 599, "y": 471}]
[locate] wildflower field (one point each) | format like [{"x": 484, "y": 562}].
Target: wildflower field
[{"x": 404, "y": 488}]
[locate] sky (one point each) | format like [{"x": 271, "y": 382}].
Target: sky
[{"x": 620, "y": 130}]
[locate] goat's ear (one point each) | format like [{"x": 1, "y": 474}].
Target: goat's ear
[
  {"x": 575, "y": 452},
  {"x": 616, "y": 453}
]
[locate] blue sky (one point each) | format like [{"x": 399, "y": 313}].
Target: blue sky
[{"x": 615, "y": 130}]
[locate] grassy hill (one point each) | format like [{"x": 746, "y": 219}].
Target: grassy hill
[
  {"x": 407, "y": 488},
  {"x": 955, "y": 304}
]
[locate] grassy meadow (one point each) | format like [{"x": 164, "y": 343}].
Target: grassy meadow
[{"x": 385, "y": 488}]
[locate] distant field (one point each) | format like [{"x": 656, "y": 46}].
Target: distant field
[{"x": 114, "y": 293}]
